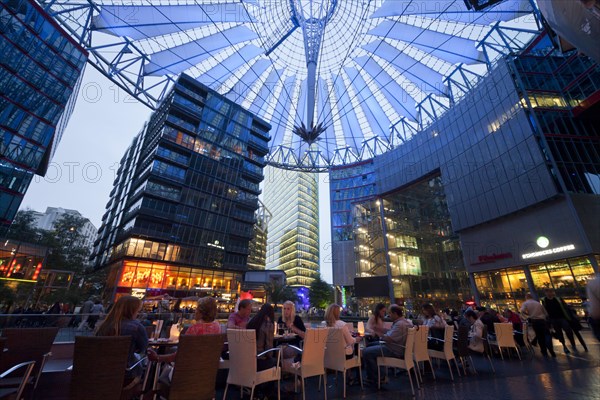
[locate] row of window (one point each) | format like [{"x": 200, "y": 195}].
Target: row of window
[
  {"x": 24, "y": 95},
  {"x": 28, "y": 126},
  {"x": 30, "y": 17},
  {"x": 20, "y": 150}
]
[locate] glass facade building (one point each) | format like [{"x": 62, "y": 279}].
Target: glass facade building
[
  {"x": 511, "y": 173},
  {"x": 40, "y": 69},
  {"x": 293, "y": 241},
  {"x": 182, "y": 209},
  {"x": 347, "y": 185},
  {"x": 408, "y": 235},
  {"x": 257, "y": 257}
]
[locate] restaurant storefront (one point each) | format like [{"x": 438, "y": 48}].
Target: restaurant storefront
[
  {"x": 145, "y": 278},
  {"x": 507, "y": 287},
  {"x": 544, "y": 248}
]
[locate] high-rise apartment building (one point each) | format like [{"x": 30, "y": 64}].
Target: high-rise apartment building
[
  {"x": 293, "y": 241},
  {"x": 40, "y": 70},
  {"x": 182, "y": 210},
  {"x": 47, "y": 220}
]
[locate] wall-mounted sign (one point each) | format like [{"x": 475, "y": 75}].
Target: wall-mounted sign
[
  {"x": 554, "y": 250},
  {"x": 490, "y": 258},
  {"x": 543, "y": 242},
  {"x": 139, "y": 293}
]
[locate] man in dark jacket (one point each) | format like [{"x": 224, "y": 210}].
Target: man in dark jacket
[{"x": 559, "y": 318}]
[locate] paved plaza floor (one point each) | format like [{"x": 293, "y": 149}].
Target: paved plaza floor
[{"x": 566, "y": 377}]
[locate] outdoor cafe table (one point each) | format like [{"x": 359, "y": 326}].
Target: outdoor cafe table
[{"x": 279, "y": 340}]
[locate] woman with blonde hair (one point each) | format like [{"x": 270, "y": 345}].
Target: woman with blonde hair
[
  {"x": 332, "y": 319},
  {"x": 121, "y": 321},
  {"x": 292, "y": 321}
]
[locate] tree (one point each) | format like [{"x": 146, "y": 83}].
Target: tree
[
  {"x": 23, "y": 227},
  {"x": 7, "y": 297},
  {"x": 278, "y": 294},
  {"x": 320, "y": 293}
]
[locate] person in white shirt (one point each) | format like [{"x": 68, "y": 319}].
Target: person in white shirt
[
  {"x": 476, "y": 332},
  {"x": 537, "y": 316},
  {"x": 332, "y": 319}
]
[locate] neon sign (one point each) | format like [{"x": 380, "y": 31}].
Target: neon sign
[{"x": 554, "y": 250}]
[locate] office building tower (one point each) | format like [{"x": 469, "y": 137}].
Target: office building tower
[
  {"x": 257, "y": 257},
  {"x": 40, "y": 71},
  {"x": 293, "y": 241},
  {"x": 182, "y": 210}
]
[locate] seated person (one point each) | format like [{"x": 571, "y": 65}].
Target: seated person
[
  {"x": 294, "y": 324},
  {"x": 488, "y": 319},
  {"x": 436, "y": 326},
  {"x": 290, "y": 320},
  {"x": 205, "y": 325},
  {"x": 262, "y": 323},
  {"x": 375, "y": 324},
  {"x": 476, "y": 332},
  {"x": 332, "y": 319},
  {"x": 513, "y": 318},
  {"x": 239, "y": 319},
  {"x": 121, "y": 321},
  {"x": 395, "y": 341}
]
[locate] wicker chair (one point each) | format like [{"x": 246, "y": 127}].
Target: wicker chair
[
  {"x": 195, "y": 369},
  {"x": 23, "y": 345},
  {"x": 99, "y": 364}
]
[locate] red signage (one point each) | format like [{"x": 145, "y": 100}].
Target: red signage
[{"x": 486, "y": 259}]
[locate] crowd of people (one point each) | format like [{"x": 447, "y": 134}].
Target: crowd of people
[{"x": 548, "y": 318}]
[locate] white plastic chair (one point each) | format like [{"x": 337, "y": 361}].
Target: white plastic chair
[
  {"x": 407, "y": 363},
  {"x": 313, "y": 359},
  {"x": 335, "y": 356},
  {"x": 505, "y": 338},
  {"x": 20, "y": 388},
  {"x": 421, "y": 352},
  {"x": 242, "y": 362},
  {"x": 447, "y": 353}
]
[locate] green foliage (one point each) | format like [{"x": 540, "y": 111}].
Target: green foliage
[
  {"x": 320, "y": 293},
  {"x": 23, "y": 227},
  {"x": 278, "y": 294},
  {"x": 7, "y": 296},
  {"x": 66, "y": 252}
]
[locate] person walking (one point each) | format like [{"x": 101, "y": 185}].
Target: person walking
[
  {"x": 537, "y": 316},
  {"x": 85, "y": 311},
  {"x": 593, "y": 293},
  {"x": 560, "y": 318}
]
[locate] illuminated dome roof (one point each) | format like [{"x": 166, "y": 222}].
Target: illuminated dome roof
[{"x": 333, "y": 77}]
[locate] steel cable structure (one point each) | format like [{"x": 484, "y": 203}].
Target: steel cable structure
[{"x": 339, "y": 80}]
